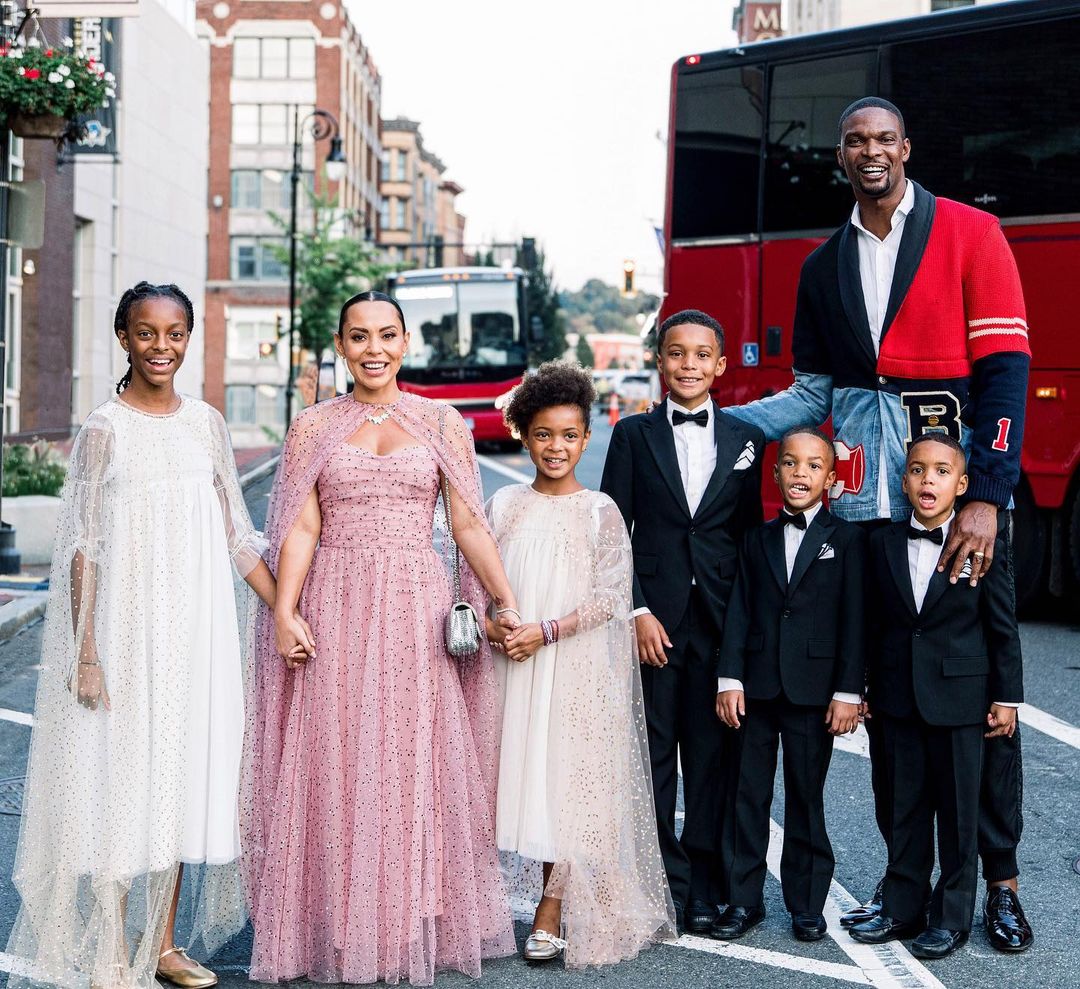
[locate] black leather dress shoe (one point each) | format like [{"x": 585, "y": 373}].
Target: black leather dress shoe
[
  {"x": 870, "y": 909},
  {"x": 700, "y": 916},
  {"x": 808, "y": 926},
  {"x": 734, "y": 922},
  {"x": 935, "y": 942},
  {"x": 879, "y": 929},
  {"x": 1006, "y": 926}
]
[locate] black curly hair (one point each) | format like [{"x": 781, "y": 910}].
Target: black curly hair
[
  {"x": 808, "y": 430},
  {"x": 555, "y": 383},
  {"x": 141, "y": 292}
]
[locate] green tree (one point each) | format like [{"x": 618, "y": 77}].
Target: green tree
[
  {"x": 542, "y": 302},
  {"x": 330, "y": 267},
  {"x": 584, "y": 353}
]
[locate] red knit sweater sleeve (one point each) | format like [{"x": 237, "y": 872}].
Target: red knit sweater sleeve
[{"x": 994, "y": 299}]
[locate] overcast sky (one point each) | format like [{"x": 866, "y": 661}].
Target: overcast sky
[{"x": 547, "y": 112}]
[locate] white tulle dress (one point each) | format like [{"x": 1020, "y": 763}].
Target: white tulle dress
[
  {"x": 574, "y": 780},
  {"x": 115, "y": 799}
]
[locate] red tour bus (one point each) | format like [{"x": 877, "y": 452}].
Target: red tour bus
[
  {"x": 468, "y": 344},
  {"x": 993, "y": 112}
]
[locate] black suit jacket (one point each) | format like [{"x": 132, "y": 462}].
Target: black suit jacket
[
  {"x": 950, "y": 660},
  {"x": 671, "y": 547},
  {"x": 805, "y": 636}
]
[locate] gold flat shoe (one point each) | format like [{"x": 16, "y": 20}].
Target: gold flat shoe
[
  {"x": 198, "y": 977},
  {"x": 543, "y": 947}
]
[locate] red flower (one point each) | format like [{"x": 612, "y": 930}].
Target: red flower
[
  {"x": 48, "y": 53},
  {"x": 33, "y": 73}
]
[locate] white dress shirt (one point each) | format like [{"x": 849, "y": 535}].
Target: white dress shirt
[
  {"x": 923, "y": 558},
  {"x": 793, "y": 537},
  {"x": 695, "y": 449},
  {"x": 877, "y": 264}
]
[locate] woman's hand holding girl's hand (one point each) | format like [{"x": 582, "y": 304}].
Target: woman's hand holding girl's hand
[
  {"x": 524, "y": 641},
  {"x": 295, "y": 641}
]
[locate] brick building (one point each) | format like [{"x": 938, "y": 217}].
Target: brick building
[
  {"x": 270, "y": 61},
  {"x": 418, "y": 204}
]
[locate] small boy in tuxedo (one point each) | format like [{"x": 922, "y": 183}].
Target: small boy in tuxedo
[
  {"x": 945, "y": 665},
  {"x": 791, "y": 667},
  {"x": 687, "y": 478}
]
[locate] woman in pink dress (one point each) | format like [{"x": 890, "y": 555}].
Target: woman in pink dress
[{"x": 367, "y": 807}]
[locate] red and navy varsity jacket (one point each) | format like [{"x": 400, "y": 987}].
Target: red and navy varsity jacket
[{"x": 954, "y": 357}]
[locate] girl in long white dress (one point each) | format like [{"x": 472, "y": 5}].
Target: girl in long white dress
[
  {"x": 135, "y": 755},
  {"x": 574, "y": 785}
]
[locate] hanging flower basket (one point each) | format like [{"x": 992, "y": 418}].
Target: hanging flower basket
[
  {"x": 38, "y": 125},
  {"x": 44, "y": 88}
]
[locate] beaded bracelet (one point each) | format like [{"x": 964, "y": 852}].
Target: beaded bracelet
[{"x": 549, "y": 627}]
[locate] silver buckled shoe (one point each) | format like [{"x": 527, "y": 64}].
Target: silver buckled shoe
[{"x": 543, "y": 947}]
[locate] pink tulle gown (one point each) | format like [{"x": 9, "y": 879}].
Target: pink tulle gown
[{"x": 380, "y": 862}]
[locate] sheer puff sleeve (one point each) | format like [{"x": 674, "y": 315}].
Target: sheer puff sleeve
[
  {"x": 611, "y": 594},
  {"x": 246, "y": 544}
]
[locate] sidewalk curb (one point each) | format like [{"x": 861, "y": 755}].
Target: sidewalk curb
[
  {"x": 23, "y": 610},
  {"x": 256, "y": 474},
  {"x": 27, "y": 607}
]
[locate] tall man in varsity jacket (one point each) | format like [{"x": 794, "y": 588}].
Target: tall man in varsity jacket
[{"x": 910, "y": 319}]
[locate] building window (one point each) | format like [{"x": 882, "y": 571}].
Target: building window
[
  {"x": 251, "y": 339},
  {"x": 384, "y": 214},
  {"x": 384, "y": 166},
  {"x": 400, "y": 214},
  {"x": 950, "y": 4},
  {"x": 267, "y": 189},
  {"x": 402, "y": 166},
  {"x": 254, "y": 405},
  {"x": 274, "y": 58},
  {"x": 256, "y": 259},
  {"x": 265, "y": 123}
]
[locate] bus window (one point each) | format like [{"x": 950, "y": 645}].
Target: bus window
[
  {"x": 718, "y": 121},
  {"x": 805, "y": 189},
  {"x": 993, "y": 116}
]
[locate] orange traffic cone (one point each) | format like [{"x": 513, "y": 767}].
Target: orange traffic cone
[{"x": 613, "y": 410}]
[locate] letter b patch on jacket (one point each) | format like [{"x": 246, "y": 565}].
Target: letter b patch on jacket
[{"x": 931, "y": 412}]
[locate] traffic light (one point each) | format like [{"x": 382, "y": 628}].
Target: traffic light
[
  {"x": 528, "y": 253},
  {"x": 628, "y": 268}
]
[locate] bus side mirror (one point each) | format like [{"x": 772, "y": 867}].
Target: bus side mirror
[{"x": 536, "y": 329}]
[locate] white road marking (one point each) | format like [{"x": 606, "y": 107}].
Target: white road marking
[
  {"x": 500, "y": 468},
  {"x": 857, "y": 743},
  {"x": 17, "y": 716},
  {"x": 777, "y": 959},
  {"x": 1049, "y": 725},
  {"x": 886, "y": 966}
]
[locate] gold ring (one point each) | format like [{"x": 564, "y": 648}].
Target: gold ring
[{"x": 979, "y": 556}]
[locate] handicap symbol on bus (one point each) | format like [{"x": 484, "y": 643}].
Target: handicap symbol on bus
[{"x": 750, "y": 354}]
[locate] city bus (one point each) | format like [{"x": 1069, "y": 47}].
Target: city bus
[
  {"x": 468, "y": 341},
  {"x": 993, "y": 113}
]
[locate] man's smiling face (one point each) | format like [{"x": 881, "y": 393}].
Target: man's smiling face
[{"x": 872, "y": 151}]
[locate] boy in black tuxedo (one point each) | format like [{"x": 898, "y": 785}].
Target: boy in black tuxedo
[
  {"x": 687, "y": 478},
  {"x": 791, "y": 667},
  {"x": 944, "y": 665}
]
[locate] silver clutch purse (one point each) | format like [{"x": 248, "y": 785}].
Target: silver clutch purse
[{"x": 462, "y": 623}]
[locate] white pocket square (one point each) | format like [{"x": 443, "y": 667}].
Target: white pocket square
[
  {"x": 827, "y": 552},
  {"x": 746, "y": 458}
]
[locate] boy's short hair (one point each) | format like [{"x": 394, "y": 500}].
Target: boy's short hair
[
  {"x": 690, "y": 317},
  {"x": 809, "y": 430},
  {"x": 945, "y": 440}
]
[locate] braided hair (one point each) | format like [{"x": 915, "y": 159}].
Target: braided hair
[{"x": 142, "y": 291}]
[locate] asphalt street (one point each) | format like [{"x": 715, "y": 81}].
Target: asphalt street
[{"x": 1050, "y": 883}]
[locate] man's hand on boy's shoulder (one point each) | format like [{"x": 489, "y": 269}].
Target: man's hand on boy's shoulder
[
  {"x": 1001, "y": 720},
  {"x": 652, "y": 637}
]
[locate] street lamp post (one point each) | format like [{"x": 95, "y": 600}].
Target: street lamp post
[{"x": 321, "y": 124}]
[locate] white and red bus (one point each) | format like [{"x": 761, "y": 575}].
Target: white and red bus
[
  {"x": 468, "y": 339},
  {"x": 993, "y": 112}
]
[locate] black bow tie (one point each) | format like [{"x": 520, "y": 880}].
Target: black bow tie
[
  {"x": 936, "y": 536},
  {"x": 698, "y": 418},
  {"x": 798, "y": 520}
]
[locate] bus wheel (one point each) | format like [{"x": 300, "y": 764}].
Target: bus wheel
[
  {"x": 1074, "y": 538},
  {"x": 1028, "y": 546}
]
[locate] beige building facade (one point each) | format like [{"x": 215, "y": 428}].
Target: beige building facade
[
  {"x": 806, "y": 16},
  {"x": 420, "y": 224}
]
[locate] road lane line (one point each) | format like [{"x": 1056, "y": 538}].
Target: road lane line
[
  {"x": 776, "y": 959},
  {"x": 886, "y": 966},
  {"x": 1049, "y": 725},
  {"x": 17, "y": 716},
  {"x": 500, "y": 468}
]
